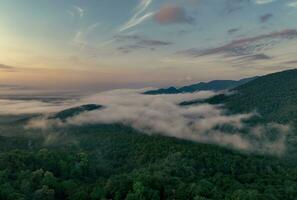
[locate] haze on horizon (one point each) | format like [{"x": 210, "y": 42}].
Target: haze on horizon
[{"x": 106, "y": 44}]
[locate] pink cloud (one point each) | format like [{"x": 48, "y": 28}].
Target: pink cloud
[{"x": 172, "y": 14}]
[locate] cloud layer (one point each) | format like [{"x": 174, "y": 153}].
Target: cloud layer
[
  {"x": 19, "y": 107},
  {"x": 161, "y": 114}
]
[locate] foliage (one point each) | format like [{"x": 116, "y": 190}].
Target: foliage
[{"x": 117, "y": 162}]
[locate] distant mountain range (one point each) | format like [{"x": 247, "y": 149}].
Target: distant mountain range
[{"x": 215, "y": 85}]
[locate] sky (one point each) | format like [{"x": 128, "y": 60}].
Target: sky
[{"x": 108, "y": 44}]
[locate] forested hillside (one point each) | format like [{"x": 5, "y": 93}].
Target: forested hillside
[
  {"x": 274, "y": 96},
  {"x": 116, "y": 162}
]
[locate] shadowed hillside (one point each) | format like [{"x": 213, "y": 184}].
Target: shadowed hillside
[
  {"x": 273, "y": 96},
  {"x": 215, "y": 85},
  {"x": 71, "y": 112}
]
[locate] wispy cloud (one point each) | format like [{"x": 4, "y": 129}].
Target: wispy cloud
[
  {"x": 255, "y": 57},
  {"x": 292, "y": 4},
  {"x": 76, "y": 11},
  {"x": 9, "y": 86},
  {"x": 244, "y": 46},
  {"x": 291, "y": 62},
  {"x": 140, "y": 16},
  {"x": 138, "y": 42},
  {"x": 71, "y": 13},
  {"x": 232, "y": 6},
  {"x": 79, "y": 10},
  {"x": 260, "y": 2},
  {"x": 7, "y": 68},
  {"x": 141, "y": 40},
  {"x": 81, "y": 36}
]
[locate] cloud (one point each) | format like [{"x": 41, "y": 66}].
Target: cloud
[
  {"x": 141, "y": 40},
  {"x": 80, "y": 11},
  {"x": 173, "y": 14},
  {"x": 266, "y": 17},
  {"x": 76, "y": 11},
  {"x": 154, "y": 43},
  {"x": 244, "y": 46},
  {"x": 138, "y": 42},
  {"x": 232, "y": 6},
  {"x": 81, "y": 36},
  {"x": 8, "y": 86},
  {"x": 129, "y": 48},
  {"x": 292, "y": 4},
  {"x": 140, "y": 16},
  {"x": 19, "y": 107},
  {"x": 261, "y": 2},
  {"x": 291, "y": 62},
  {"x": 255, "y": 57},
  {"x": 7, "y": 68},
  {"x": 161, "y": 114},
  {"x": 233, "y": 30}
]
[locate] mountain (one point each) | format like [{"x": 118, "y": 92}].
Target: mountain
[
  {"x": 114, "y": 161},
  {"x": 71, "y": 112},
  {"x": 215, "y": 85},
  {"x": 273, "y": 96}
]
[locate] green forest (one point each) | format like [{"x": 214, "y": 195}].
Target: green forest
[
  {"x": 113, "y": 161},
  {"x": 116, "y": 162}
]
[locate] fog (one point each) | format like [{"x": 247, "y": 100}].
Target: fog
[
  {"x": 18, "y": 107},
  {"x": 161, "y": 114}
]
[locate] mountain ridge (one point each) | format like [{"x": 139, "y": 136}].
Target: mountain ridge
[
  {"x": 71, "y": 112},
  {"x": 215, "y": 85}
]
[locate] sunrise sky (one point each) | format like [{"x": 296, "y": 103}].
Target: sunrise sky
[{"x": 105, "y": 44}]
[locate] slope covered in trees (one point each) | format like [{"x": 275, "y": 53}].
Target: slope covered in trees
[
  {"x": 117, "y": 162},
  {"x": 273, "y": 96}
]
